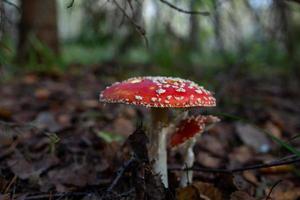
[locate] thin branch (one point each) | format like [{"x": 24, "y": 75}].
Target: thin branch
[
  {"x": 138, "y": 28},
  {"x": 12, "y": 4},
  {"x": 271, "y": 190},
  {"x": 240, "y": 169},
  {"x": 120, "y": 173},
  {"x": 190, "y": 12},
  {"x": 70, "y": 5},
  {"x": 296, "y": 1}
]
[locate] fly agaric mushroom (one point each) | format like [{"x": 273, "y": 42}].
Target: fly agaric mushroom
[
  {"x": 186, "y": 135},
  {"x": 158, "y": 93}
]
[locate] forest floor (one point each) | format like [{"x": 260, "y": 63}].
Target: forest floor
[{"x": 58, "y": 142}]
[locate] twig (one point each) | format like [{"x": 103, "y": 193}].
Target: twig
[
  {"x": 13, "y": 5},
  {"x": 138, "y": 28},
  {"x": 70, "y": 5},
  {"x": 246, "y": 168},
  {"x": 13, "y": 180},
  {"x": 120, "y": 174},
  {"x": 190, "y": 12},
  {"x": 57, "y": 195},
  {"x": 272, "y": 188}
]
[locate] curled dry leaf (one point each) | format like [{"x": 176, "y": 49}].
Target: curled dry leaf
[
  {"x": 199, "y": 191},
  {"x": 240, "y": 195}
]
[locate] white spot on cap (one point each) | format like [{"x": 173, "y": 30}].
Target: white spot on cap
[
  {"x": 179, "y": 98},
  {"x": 137, "y": 97},
  {"x": 160, "y": 91},
  {"x": 199, "y": 91},
  {"x": 180, "y": 89},
  {"x": 135, "y": 80},
  {"x": 153, "y": 99}
]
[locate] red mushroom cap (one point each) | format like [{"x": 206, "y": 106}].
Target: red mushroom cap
[
  {"x": 186, "y": 129},
  {"x": 190, "y": 127},
  {"x": 158, "y": 92}
]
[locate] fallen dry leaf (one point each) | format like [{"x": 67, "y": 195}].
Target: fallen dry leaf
[
  {"x": 199, "y": 191},
  {"x": 30, "y": 79},
  {"x": 42, "y": 94},
  {"x": 278, "y": 169},
  {"x": 74, "y": 175},
  {"x": 240, "y": 195},
  {"x": 5, "y": 113},
  {"x": 273, "y": 129},
  {"x": 253, "y": 137},
  {"x": 5, "y": 197},
  {"x": 20, "y": 166},
  {"x": 289, "y": 194},
  {"x": 207, "y": 160},
  {"x": 46, "y": 120}
]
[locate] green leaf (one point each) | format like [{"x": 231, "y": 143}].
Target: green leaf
[{"x": 109, "y": 137}]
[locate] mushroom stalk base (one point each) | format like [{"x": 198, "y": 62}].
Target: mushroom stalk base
[
  {"x": 158, "y": 144},
  {"x": 189, "y": 158}
]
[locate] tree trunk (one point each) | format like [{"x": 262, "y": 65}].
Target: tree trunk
[
  {"x": 193, "y": 28},
  {"x": 2, "y": 16},
  {"x": 38, "y": 27}
]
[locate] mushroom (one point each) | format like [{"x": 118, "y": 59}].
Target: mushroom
[
  {"x": 186, "y": 133},
  {"x": 159, "y": 94}
]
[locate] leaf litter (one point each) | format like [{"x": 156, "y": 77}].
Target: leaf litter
[{"x": 78, "y": 144}]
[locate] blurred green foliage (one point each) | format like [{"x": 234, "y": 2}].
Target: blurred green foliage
[{"x": 104, "y": 39}]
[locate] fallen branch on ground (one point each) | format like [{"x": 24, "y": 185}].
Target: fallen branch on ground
[{"x": 295, "y": 159}]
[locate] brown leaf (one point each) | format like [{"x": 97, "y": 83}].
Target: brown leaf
[
  {"x": 289, "y": 194},
  {"x": 30, "y": 79},
  {"x": 240, "y": 195},
  {"x": 5, "y": 113},
  {"x": 273, "y": 129},
  {"x": 42, "y": 94},
  {"x": 199, "y": 191},
  {"x": 278, "y": 169},
  {"x": 20, "y": 166},
  {"x": 73, "y": 175},
  {"x": 207, "y": 160},
  {"x": 25, "y": 169},
  {"x": 46, "y": 120},
  {"x": 5, "y": 197},
  {"x": 242, "y": 154},
  {"x": 250, "y": 177}
]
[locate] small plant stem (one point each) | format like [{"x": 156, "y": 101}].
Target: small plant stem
[{"x": 158, "y": 144}]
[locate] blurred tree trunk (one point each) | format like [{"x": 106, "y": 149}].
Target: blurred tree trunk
[
  {"x": 284, "y": 25},
  {"x": 194, "y": 28},
  {"x": 2, "y": 15},
  {"x": 218, "y": 27},
  {"x": 38, "y": 25}
]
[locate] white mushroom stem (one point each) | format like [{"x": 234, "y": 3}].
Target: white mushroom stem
[
  {"x": 158, "y": 143},
  {"x": 189, "y": 158}
]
